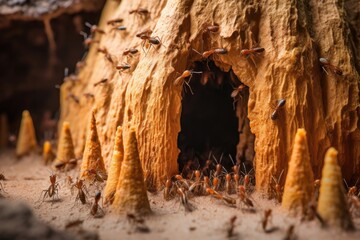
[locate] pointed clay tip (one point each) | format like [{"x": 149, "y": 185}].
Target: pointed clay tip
[
  {"x": 66, "y": 125},
  {"x": 47, "y": 147},
  {"x": 300, "y": 136},
  {"x": 331, "y": 156},
  {"x": 25, "y": 113}
]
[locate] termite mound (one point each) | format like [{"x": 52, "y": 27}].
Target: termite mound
[{"x": 213, "y": 122}]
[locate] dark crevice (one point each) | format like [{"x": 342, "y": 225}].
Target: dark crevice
[{"x": 209, "y": 124}]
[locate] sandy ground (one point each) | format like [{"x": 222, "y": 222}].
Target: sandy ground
[{"x": 210, "y": 220}]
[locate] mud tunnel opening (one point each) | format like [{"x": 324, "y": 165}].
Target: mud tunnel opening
[{"x": 210, "y": 121}]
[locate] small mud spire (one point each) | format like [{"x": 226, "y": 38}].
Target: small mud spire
[
  {"x": 48, "y": 154},
  {"x": 332, "y": 205},
  {"x": 131, "y": 195},
  {"x": 65, "y": 151},
  {"x": 115, "y": 167},
  {"x": 27, "y": 139},
  {"x": 299, "y": 182},
  {"x": 92, "y": 163}
]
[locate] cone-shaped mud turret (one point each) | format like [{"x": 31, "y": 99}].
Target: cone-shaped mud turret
[
  {"x": 131, "y": 195},
  {"x": 27, "y": 139},
  {"x": 115, "y": 167},
  {"x": 65, "y": 151},
  {"x": 48, "y": 154},
  {"x": 299, "y": 184},
  {"x": 332, "y": 205},
  {"x": 92, "y": 158}
]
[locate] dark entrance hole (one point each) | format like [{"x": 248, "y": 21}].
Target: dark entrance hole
[{"x": 208, "y": 120}]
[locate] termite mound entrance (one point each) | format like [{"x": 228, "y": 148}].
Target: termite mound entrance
[{"x": 210, "y": 121}]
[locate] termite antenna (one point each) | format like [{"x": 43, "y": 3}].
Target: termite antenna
[
  {"x": 221, "y": 156},
  {"x": 84, "y": 34},
  {"x": 280, "y": 175},
  {"x": 88, "y": 25},
  {"x": 347, "y": 186},
  {"x": 66, "y": 72},
  {"x": 215, "y": 160},
  {"x": 196, "y": 52},
  {"x": 210, "y": 155},
  {"x": 232, "y": 160}
]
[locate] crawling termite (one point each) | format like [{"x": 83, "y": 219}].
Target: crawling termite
[
  {"x": 280, "y": 104},
  {"x": 290, "y": 235},
  {"x": 88, "y": 40},
  {"x": 96, "y": 210},
  {"x": 216, "y": 183},
  {"x": 184, "y": 199},
  {"x": 98, "y": 176},
  {"x": 167, "y": 189},
  {"x": 104, "y": 80},
  {"x": 230, "y": 230},
  {"x": 326, "y": 64},
  {"x": 180, "y": 80},
  {"x": 212, "y": 28},
  {"x": 278, "y": 189},
  {"x": 182, "y": 181},
  {"x": 236, "y": 93},
  {"x": 207, "y": 54},
  {"x": 114, "y": 21},
  {"x": 247, "y": 178},
  {"x": 316, "y": 189},
  {"x": 195, "y": 187},
  {"x": 351, "y": 190},
  {"x": 94, "y": 28},
  {"x": 206, "y": 184},
  {"x": 228, "y": 186},
  {"x": 139, "y": 11},
  {"x": 252, "y": 51},
  {"x": 226, "y": 199},
  {"x": 81, "y": 189},
  {"x": 52, "y": 190},
  {"x": 243, "y": 197}
]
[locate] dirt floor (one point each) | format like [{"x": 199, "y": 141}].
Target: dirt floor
[{"x": 210, "y": 220}]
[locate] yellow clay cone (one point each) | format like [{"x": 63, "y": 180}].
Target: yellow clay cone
[
  {"x": 131, "y": 195},
  {"x": 332, "y": 205},
  {"x": 92, "y": 158},
  {"x": 299, "y": 182},
  {"x": 65, "y": 151},
  {"x": 27, "y": 139},
  {"x": 115, "y": 166},
  {"x": 48, "y": 154}
]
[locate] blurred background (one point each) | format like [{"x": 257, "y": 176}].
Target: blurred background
[{"x": 38, "y": 40}]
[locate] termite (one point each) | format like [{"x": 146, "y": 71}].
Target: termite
[
  {"x": 114, "y": 21},
  {"x": 265, "y": 220},
  {"x": 278, "y": 189},
  {"x": 130, "y": 51},
  {"x": 230, "y": 231},
  {"x": 151, "y": 40},
  {"x": 354, "y": 203},
  {"x": 96, "y": 210},
  {"x": 94, "y": 28},
  {"x": 183, "y": 182},
  {"x": 236, "y": 93},
  {"x": 226, "y": 199},
  {"x": 101, "y": 82},
  {"x": 73, "y": 97},
  {"x": 52, "y": 190},
  {"x": 88, "y": 40},
  {"x": 196, "y": 185},
  {"x": 243, "y": 198},
  {"x": 247, "y": 179},
  {"x": 212, "y": 28},
  {"x": 146, "y": 32},
  {"x": 290, "y": 233},
  {"x": 98, "y": 176},
  {"x": 139, "y": 11},
  {"x": 216, "y": 183},
  {"x": 351, "y": 190},
  {"x": 79, "y": 184},
  {"x": 184, "y": 199},
  {"x": 252, "y": 51},
  {"x": 207, "y": 54},
  {"x": 2, "y": 177},
  {"x": 180, "y": 80},
  {"x": 119, "y": 28},
  {"x": 122, "y": 67},
  {"x": 88, "y": 95},
  {"x": 107, "y": 55},
  {"x": 326, "y": 64},
  {"x": 228, "y": 187},
  {"x": 167, "y": 190},
  {"x": 316, "y": 189},
  {"x": 280, "y": 105},
  {"x": 206, "y": 183}
]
